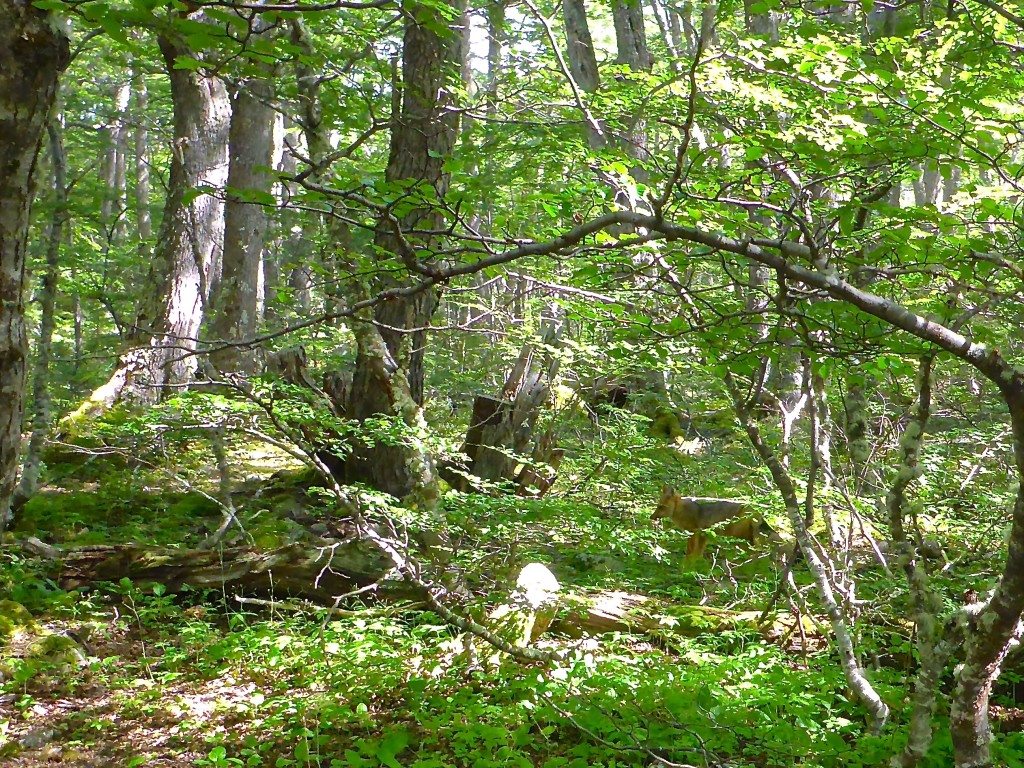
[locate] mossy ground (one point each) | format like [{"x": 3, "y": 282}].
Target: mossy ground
[{"x": 199, "y": 679}]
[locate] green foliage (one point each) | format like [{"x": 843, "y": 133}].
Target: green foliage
[
  {"x": 887, "y": 139},
  {"x": 84, "y": 517},
  {"x": 315, "y": 703}
]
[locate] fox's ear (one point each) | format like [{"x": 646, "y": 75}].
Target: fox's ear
[{"x": 667, "y": 490}]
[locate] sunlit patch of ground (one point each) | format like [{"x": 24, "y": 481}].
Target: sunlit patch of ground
[
  {"x": 101, "y": 716},
  {"x": 261, "y": 460}
]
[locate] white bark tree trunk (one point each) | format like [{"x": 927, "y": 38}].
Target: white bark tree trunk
[{"x": 188, "y": 250}]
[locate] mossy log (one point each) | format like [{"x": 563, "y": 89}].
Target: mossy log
[
  {"x": 318, "y": 573},
  {"x": 631, "y": 613}
]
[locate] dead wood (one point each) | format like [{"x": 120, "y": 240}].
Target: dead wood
[
  {"x": 321, "y": 572},
  {"x": 317, "y": 573}
]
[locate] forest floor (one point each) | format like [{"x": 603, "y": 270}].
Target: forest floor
[{"x": 197, "y": 678}]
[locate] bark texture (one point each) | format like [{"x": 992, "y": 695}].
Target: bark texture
[
  {"x": 423, "y": 136},
  {"x": 388, "y": 379},
  {"x": 47, "y": 303},
  {"x": 186, "y": 260},
  {"x": 251, "y": 146},
  {"x": 32, "y": 55}
]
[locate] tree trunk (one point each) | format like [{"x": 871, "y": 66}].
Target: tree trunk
[
  {"x": 319, "y": 573},
  {"x": 630, "y": 36},
  {"x": 423, "y": 136},
  {"x": 187, "y": 254},
  {"x": 119, "y": 192},
  {"x": 582, "y": 57},
  {"x": 112, "y": 205},
  {"x": 191, "y": 233},
  {"x": 762, "y": 22},
  {"x": 293, "y": 267},
  {"x": 250, "y": 149},
  {"x": 32, "y": 55},
  {"x": 143, "y": 220},
  {"x": 933, "y": 647},
  {"x": 661, "y": 19},
  {"x": 631, "y": 44},
  {"x": 857, "y": 444},
  {"x": 500, "y": 436},
  {"x": 389, "y": 375},
  {"x": 296, "y": 570},
  {"x": 335, "y": 253},
  {"x": 47, "y": 301}
]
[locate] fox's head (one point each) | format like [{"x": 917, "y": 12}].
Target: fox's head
[{"x": 666, "y": 504}]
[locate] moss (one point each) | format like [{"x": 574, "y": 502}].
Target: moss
[
  {"x": 194, "y": 505},
  {"x": 56, "y": 648},
  {"x": 271, "y": 533},
  {"x": 666, "y": 424},
  {"x": 14, "y": 617}
]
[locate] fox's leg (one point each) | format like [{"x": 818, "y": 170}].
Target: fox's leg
[{"x": 695, "y": 547}]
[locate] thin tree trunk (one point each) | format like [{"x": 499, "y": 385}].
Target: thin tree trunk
[
  {"x": 857, "y": 444},
  {"x": 335, "y": 256},
  {"x": 119, "y": 192},
  {"x": 933, "y": 647},
  {"x": 143, "y": 219},
  {"x": 878, "y": 711},
  {"x": 78, "y": 322},
  {"x": 296, "y": 252},
  {"x": 32, "y": 54},
  {"x": 660, "y": 18},
  {"x": 112, "y": 205},
  {"x": 47, "y": 301}
]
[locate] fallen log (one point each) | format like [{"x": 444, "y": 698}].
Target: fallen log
[
  {"x": 321, "y": 572},
  {"x": 314, "y": 572},
  {"x": 630, "y": 613}
]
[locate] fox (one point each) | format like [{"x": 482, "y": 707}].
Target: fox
[{"x": 697, "y": 515}]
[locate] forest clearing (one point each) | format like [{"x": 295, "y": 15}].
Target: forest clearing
[{"x": 428, "y": 383}]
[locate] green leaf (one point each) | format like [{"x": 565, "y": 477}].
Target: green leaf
[
  {"x": 187, "y": 62},
  {"x": 390, "y": 746}
]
